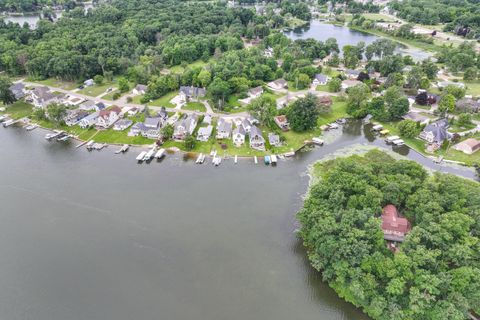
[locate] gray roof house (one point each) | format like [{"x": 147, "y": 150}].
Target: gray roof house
[
  {"x": 185, "y": 126},
  {"x": 42, "y": 97},
  {"x": 238, "y": 136},
  {"x": 122, "y": 124},
  {"x": 18, "y": 90},
  {"x": 257, "y": 141},
  {"x": 352, "y": 74},
  {"x": 152, "y": 123},
  {"x": 274, "y": 139},
  {"x": 320, "y": 79},
  {"x": 468, "y": 105},
  {"x": 224, "y": 129},
  {"x": 192, "y": 92},
  {"x": 436, "y": 132},
  {"x": 204, "y": 133},
  {"x": 88, "y": 105}
]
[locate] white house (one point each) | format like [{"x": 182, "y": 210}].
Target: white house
[
  {"x": 320, "y": 80},
  {"x": 88, "y": 105},
  {"x": 204, "y": 133},
  {"x": 122, "y": 124},
  {"x": 140, "y": 89},
  {"x": 185, "y": 126},
  {"x": 224, "y": 129},
  {"x": 277, "y": 84},
  {"x": 246, "y": 125},
  {"x": 255, "y": 92},
  {"x": 257, "y": 141},
  {"x": 42, "y": 97},
  {"x": 89, "y": 83},
  {"x": 108, "y": 117},
  {"x": 238, "y": 136},
  {"x": 89, "y": 120}
]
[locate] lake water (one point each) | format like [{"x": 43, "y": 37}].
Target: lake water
[
  {"x": 98, "y": 236},
  {"x": 345, "y": 36}
]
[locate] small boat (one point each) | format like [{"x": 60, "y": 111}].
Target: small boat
[
  {"x": 255, "y": 159},
  {"x": 123, "y": 149},
  {"x": 391, "y": 139},
  {"x": 318, "y": 141},
  {"x": 274, "y": 159},
  {"x": 89, "y": 144},
  {"x": 31, "y": 127},
  {"x": 399, "y": 142},
  {"x": 216, "y": 161},
  {"x": 160, "y": 154},
  {"x": 266, "y": 160},
  {"x": 377, "y": 127},
  {"x": 236, "y": 159},
  {"x": 384, "y": 132},
  {"x": 289, "y": 154},
  {"x": 213, "y": 153},
  {"x": 99, "y": 146},
  {"x": 200, "y": 159},
  {"x": 63, "y": 138},
  {"x": 141, "y": 156},
  {"x": 148, "y": 156},
  {"x": 8, "y": 123}
]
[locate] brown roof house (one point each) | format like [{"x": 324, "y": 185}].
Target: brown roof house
[
  {"x": 468, "y": 146},
  {"x": 394, "y": 226},
  {"x": 282, "y": 122},
  {"x": 325, "y": 101}
]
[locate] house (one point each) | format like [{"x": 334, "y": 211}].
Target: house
[
  {"x": 191, "y": 92},
  {"x": 42, "y": 97},
  {"x": 277, "y": 84},
  {"x": 435, "y": 132},
  {"x": 252, "y": 120},
  {"x": 255, "y": 92},
  {"x": 18, "y": 90},
  {"x": 467, "y": 105},
  {"x": 139, "y": 89},
  {"x": 89, "y": 120},
  {"x": 352, "y": 74},
  {"x": 224, "y": 129},
  {"x": 349, "y": 83},
  {"x": 88, "y": 83},
  {"x": 238, "y": 136},
  {"x": 257, "y": 141},
  {"x": 185, "y": 126},
  {"x": 282, "y": 122},
  {"x": 204, "y": 133},
  {"x": 207, "y": 119},
  {"x": 122, "y": 125},
  {"x": 137, "y": 129},
  {"x": 73, "y": 101},
  {"x": 74, "y": 116},
  {"x": 246, "y": 125},
  {"x": 132, "y": 111},
  {"x": 99, "y": 106},
  {"x": 107, "y": 117},
  {"x": 88, "y": 105},
  {"x": 444, "y": 84},
  {"x": 153, "y": 123},
  {"x": 394, "y": 226},
  {"x": 468, "y": 146},
  {"x": 325, "y": 101},
  {"x": 320, "y": 80},
  {"x": 417, "y": 117},
  {"x": 274, "y": 139},
  {"x": 163, "y": 115}
]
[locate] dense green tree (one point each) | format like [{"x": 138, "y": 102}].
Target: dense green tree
[
  {"x": 6, "y": 96},
  {"x": 447, "y": 103},
  {"x": 455, "y": 91},
  {"x": 408, "y": 128},
  {"x": 303, "y": 114},
  {"x": 56, "y": 113},
  {"x": 264, "y": 109},
  {"x": 335, "y": 85},
  {"x": 357, "y": 100}
]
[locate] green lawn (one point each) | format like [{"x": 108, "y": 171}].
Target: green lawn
[
  {"x": 196, "y": 64},
  {"x": 164, "y": 101},
  {"x": 427, "y": 107},
  {"x": 137, "y": 99},
  {"x": 322, "y": 88},
  {"x": 96, "y": 90},
  {"x": 377, "y": 17},
  {"x": 473, "y": 87},
  {"x": 19, "y": 110},
  {"x": 195, "y": 106},
  {"x": 339, "y": 110},
  {"x": 109, "y": 96},
  {"x": 52, "y": 82}
]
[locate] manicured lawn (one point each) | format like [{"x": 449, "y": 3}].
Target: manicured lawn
[
  {"x": 456, "y": 128},
  {"x": 233, "y": 105},
  {"x": 66, "y": 85},
  {"x": 196, "y": 64},
  {"x": 164, "y": 101},
  {"x": 322, "y": 88},
  {"x": 292, "y": 87},
  {"x": 19, "y": 110},
  {"x": 96, "y": 90},
  {"x": 473, "y": 87},
  {"x": 378, "y": 17},
  {"x": 339, "y": 110},
  {"x": 194, "y": 106},
  {"x": 137, "y": 99},
  {"x": 110, "y": 95}
]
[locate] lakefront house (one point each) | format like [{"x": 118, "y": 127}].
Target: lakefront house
[
  {"x": 184, "y": 127},
  {"x": 238, "y": 136},
  {"x": 108, "y": 117},
  {"x": 257, "y": 141}
]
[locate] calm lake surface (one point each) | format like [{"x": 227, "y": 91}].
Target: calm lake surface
[
  {"x": 345, "y": 36},
  {"x": 98, "y": 236}
]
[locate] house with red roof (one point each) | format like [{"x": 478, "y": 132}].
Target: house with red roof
[
  {"x": 394, "y": 226},
  {"x": 107, "y": 117}
]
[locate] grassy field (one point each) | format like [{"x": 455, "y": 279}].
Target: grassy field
[
  {"x": 195, "y": 106},
  {"x": 66, "y": 85},
  {"x": 19, "y": 110},
  {"x": 473, "y": 87},
  {"x": 378, "y": 17},
  {"x": 164, "y": 101},
  {"x": 109, "y": 96},
  {"x": 196, "y": 64},
  {"x": 339, "y": 110},
  {"x": 96, "y": 90}
]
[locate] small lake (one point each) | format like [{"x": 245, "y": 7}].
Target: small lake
[
  {"x": 93, "y": 235},
  {"x": 321, "y": 31}
]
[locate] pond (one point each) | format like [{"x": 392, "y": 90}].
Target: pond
[{"x": 345, "y": 36}]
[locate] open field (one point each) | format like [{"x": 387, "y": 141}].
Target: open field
[{"x": 96, "y": 90}]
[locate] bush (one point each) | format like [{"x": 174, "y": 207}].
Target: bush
[{"x": 116, "y": 96}]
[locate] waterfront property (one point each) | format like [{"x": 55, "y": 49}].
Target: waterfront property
[
  {"x": 282, "y": 122},
  {"x": 123, "y": 124},
  {"x": 238, "y": 136},
  {"x": 274, "y": 139},
  {"x": 257, "y": 141},
  {"x": 89, "y": 120},
  {"x": 436, "y": 132},
  {"x": 185, "y": 126},
  {"x": 41, "y": 97},
  {"x": 394, "y": 226},
  {"x": 224, "y": 129},
  {"x": 204, "y": 133},
  {"x": 18, "y": 90},
  {"x": 107, "y": 117}
]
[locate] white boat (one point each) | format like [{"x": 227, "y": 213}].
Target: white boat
[
  {"x": 377, "y": 127},
  {"x": 216, "y": 161},
  {"x": 333, "y": 126},
  {"x": 149, "y": 155},
  {"x": 63, "y": 138},
  {"x": 273, "y": 159},
  {"x": 8, "y": 123},
  {"x": 123, "y": 149},
  {"x": 141, "y": 156},
  {"x": 160, "y": 153},
  {"x": 89, "y": 144},
  {"x": 391, "y": 139},
  {"x": 289, "y": 154},
  {"x": 399, "y": 142},
  {"x": 236, "y": 159},
  {"x": 213, "y": 153},
  {"x": 200, "y": 158},
  {"x": 255, "y": 159},
  {"x": 31, "y": 127},
  {"x": 318, "y": 141}
]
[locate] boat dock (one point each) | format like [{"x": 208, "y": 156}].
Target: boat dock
[
  {"x": 123, "y": 149},
  {"x": 200, "y": 159},
  {"x": 141, "y": 156},
  {"x": 56, "y": 134},
  {"x": 160, "y": 154}
]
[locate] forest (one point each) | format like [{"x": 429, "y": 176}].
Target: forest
[{"x": 435, "y": 273}]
